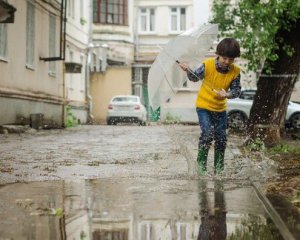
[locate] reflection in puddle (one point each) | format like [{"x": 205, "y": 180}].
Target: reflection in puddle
[
  {"x": 142, "y": 209},
  {"x": 218, "y": 224},
  {"x": 213, "y": 215}
]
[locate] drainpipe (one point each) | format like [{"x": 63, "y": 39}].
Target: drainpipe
[
  {"x": 64, "y": 112},
  {"x": 88, "y": 95},
  {"x": 90, "y": 118}
]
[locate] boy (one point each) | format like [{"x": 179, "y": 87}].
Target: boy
[{"x": 219, "y": 75}]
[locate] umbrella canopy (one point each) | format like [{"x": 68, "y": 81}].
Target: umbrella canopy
[{"x": 165, "y": 76}]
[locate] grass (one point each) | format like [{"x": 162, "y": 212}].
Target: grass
[{"x": 284, "y": 148}]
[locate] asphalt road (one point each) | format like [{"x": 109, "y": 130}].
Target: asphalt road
[
  {"x": 100, "y": 151},
  {"x": 124, "y": 182}
]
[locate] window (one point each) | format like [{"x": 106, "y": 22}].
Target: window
[
  {"x": 3, "y": 40},
  {"x": 125, "y": 99},
  {"x": 71, "y": 8},
  {"x": 52, "y": 44},
  {"x": 147, "y": 19},
  {"x": 71, "y": 59},
  {"x": 81, "y": 10},
  {"x": 140, "y": 78},
  {"x": 145, "y": 230},
  {"x": 181, "y": 231},
  {"x": 178, "y": 19},
  {"x": 110, "y": 12},
  {"x": 30, "y": 34},
  {"x": 82, "y": 73}
]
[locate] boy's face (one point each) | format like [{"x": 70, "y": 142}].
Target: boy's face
[{"x": 225, "y": 61}]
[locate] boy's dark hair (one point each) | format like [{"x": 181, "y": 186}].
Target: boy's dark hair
[{"x": 228, "y": 47}]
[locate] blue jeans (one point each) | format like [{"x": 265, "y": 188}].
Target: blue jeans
[{"x": 213, "y": 127}]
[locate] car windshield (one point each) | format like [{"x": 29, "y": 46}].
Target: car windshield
[
  {"x": 248, "y": 94},
  {"x": 125, "y": 99}
]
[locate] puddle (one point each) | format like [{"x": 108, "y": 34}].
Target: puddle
[{"x": 135, "y": 209}]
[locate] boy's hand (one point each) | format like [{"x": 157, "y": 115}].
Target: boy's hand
[
  {"x": 184, "y": 66},
  {"x": 222, "y": 94}
]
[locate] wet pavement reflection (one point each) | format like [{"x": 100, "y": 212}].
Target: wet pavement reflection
[{"x": 142, "y": 209}]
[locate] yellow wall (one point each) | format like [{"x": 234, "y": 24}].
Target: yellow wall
[{"x": 115, "y": 81}]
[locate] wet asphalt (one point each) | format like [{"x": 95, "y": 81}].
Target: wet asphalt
[
  {"x": 100, "y": 151},
  {"x": 126, "y": 182}
]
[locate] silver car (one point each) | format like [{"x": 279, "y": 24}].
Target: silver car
[
  {"x": 126, "y": 108},
  {"x": 238, "y": 110}
]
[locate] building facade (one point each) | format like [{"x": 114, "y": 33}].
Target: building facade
[
  {"x": 77, "y": 40},
  {"x": 134, "y": 32},
  {"x": 156, "y": 23},
  {"x": 112, "y": 53},
  {"x": 31, "y": 88},
  {"x": 43, "y": 58}
]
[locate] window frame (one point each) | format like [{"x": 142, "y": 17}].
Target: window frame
[
  {"x": 71, "y": 78},
  {"x": 179, "y": 19},
  {"x": 82, "y": 10},
  {"x": 52, "y": 44},
  {"x": 71, "y": 9},
  {"x": 30, "y": 35},
  {"x": 149, "y": 20},
  {"x": 103, "y": 10},
  {"x": 82, "y": 75},
  {"x": 3, "y": 41}
]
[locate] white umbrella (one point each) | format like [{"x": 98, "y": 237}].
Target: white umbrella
[{"x": 165, "y": 76}]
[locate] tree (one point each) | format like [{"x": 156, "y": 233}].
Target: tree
[{"x": 268, "y": 31}]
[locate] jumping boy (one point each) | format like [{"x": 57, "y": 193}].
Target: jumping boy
[{"x": 221, "y": 80}]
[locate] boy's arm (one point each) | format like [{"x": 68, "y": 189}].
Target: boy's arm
[
  {"x": 235, "y": 88},
  {"x": 196, "y": 75}
]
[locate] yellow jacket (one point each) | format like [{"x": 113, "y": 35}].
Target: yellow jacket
[{"x": 207, "y": 98}]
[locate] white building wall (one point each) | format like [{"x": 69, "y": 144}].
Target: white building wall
[
  {"x": 202, "y": 11},
  {"x": 149, "y": 44},
  {"x": 77, "y": 39}
]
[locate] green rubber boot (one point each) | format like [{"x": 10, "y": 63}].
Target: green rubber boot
[
  {"x": 202, "y": 160},
  {"x": 219, "y": 162}
]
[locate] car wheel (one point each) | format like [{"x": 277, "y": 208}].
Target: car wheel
[
  {"x": 295, "y": 121},
  {"x": 236, "y": 120},
  {"x": 111, "y": 122},
  {"x": 142, "y": 123}
]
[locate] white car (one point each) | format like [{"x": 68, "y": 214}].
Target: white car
[
  {"x": 126, "y": 108},
  {"x": 238, "y": 111}
]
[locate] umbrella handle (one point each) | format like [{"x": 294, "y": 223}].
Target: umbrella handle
[
  {"x": 188, "y": 69},
  {"x": 191, "y": 71}
]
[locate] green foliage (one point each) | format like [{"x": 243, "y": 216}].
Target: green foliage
[
  {"x": 253, "y": 227},
  {"x": 83, "y": 235},
  {"x": 256, "y": 24},
  {"x": 256, "y": 145},
  {"x": 170, "y": 119},
  {"x": 82, "y": 21},
  {"x": 71, "y": 119},
  {"x": 284, "y": 148},
  {"x": 59, "y": 212},
  {"x": 291, "y": 221}
]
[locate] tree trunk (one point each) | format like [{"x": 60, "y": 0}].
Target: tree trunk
[{"x": 267, "y": 115}]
